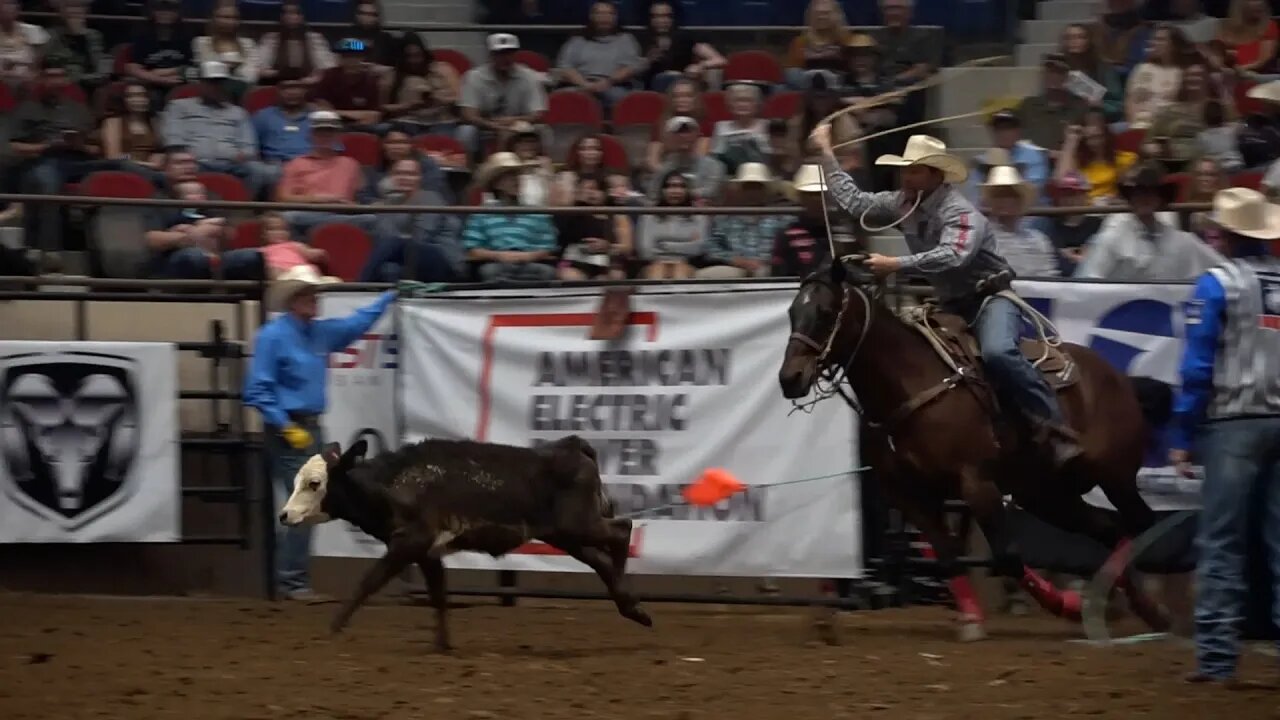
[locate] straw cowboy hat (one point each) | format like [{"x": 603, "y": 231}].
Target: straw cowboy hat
[
  {"x": 809, "y": 178},
  {"x": 293, "y": 281},
  {"x": 753, "y": 172},
  {"x": 1268, "y": 92},
  {"x": 1246, "y": 212},
  {"x": 499, "y": 164},
  {"x": 1149, "y": 176},
  {"x": 862, "y": 42},
  {"x": 930, "y": 152},
  {"x": 1006, "y": 176}
]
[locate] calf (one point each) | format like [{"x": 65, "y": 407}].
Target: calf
[{"x": 435, "y": 497}]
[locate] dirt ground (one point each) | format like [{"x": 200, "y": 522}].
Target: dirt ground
[{"x": 75, "y": 657}]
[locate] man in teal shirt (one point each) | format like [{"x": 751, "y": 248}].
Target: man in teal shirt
[{"x": 286, "y": 383}]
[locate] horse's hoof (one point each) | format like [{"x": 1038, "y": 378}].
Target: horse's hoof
[
  {"x": 971, "y": 632},
  {"x": 639, "y": 616}
]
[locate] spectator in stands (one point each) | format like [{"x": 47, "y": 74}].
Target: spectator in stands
[
  {"x": 1220, "y": 138},
  {"x": 21, "y": 45},
  {"x": 621, "y": 192},
  {"x": 1155, "y": 82},
  {"x": 821, "y": 45},
  {"x": 1090, "y": 149},
  {"x": 351, "y": 89},
  {"x": 217, "y": 131},
  {"x": 585, "y": 157},
  {"x": 1006, "y": 197},
  {"x": 509, "y": 247},
  {"x": 593, "y": 246},
  {"x": 538, "y": 181},
  {"x": 603, "y": 60},
  {"x": 1031, "y": 161},
  {"x": 821, "y": 98},
  {"x": 863, "y": 78},
  {"x": 49, "y": 141},
  {"x": 293, "y": 47},
  {"x": 284, "y": 129},
  {"x": 161, "y": 54},
  {"x": 670, "y": 53},
  {"x": 672, "y": 245},
  {"x": 186, "y": 243},
  {"x": 1252, "y": 34},
  {"x": 421, "y": 94},
  {"x": 1180, "y": 123},
  {"x": 1207, "y": 178},
  {"x": 909, "y": 54},
  {"x": 397, "y": 146},
  {"x": 1259, "y": 140},
  {"x": 383, "y": 47},
  {"x": 498, "y": 94},
  {"x": 683, "y": 100},
  {"x": 281, "y": 253},
  {"x": 130, "y": 134},
  {"x": 680, "y": 141},
  {"x": 1140, "y": 247},
  {"x": 1188, "y": 16},
  {"x": 1122, "y": 36},
  {"x": 227, "y": 45},
  {"x": 744, "y": 137},
  {"x": 429, "y": 242},
  {"x": 743, "y": 244},
  {"x": 322, "y": 177},
  {"x": 1047, "y": 115},
  {"x": 1070, "y": 233},
  {"x": 802, "y": 246},
  {"x": 76, "y": 46},
  {"x": 1082, "y": 55}
]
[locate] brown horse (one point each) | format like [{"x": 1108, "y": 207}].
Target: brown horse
[{"x": 931, "y": 433}]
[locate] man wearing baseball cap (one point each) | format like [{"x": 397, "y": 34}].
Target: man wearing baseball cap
[
  {"x": 1047, "y": 115},
  {"x": 1008, "y": 148},
  {"x": 498, "y": 94}
]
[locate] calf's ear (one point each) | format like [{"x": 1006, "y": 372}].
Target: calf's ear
[
  {"x": 332, "y": 453},
  {"x": 357, "y": 451}
]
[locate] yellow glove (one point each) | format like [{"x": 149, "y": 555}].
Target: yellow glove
[{"x": 297, "y": 437}]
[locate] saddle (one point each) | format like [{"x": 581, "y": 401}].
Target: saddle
[{"x": 950, "y": 336}]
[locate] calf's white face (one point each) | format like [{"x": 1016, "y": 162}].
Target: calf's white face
[{"x": 309, "y": 488}]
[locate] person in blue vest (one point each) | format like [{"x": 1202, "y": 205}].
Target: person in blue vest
[
  {"x": 286, "y": 384},
  {"x": 1229, "y": 405}
]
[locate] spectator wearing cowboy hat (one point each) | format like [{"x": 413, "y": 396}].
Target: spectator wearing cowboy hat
[
  {"x": 286, "y": 384},
  {"x": 800, "y": 247},
  {"x": 744, "y": 244},
  {"x": 1140, "y": 246},
  {"x": 537, "y": 187},
  {"x": 509, "y": 247},
  {"x": 1229, "y": 408},
  {"x": 1008, "y": 148},
  {"x": 1007, "y": 196}
]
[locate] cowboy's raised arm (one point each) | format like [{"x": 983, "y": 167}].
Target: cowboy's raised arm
[
  {"x": 853, "y": 199},
  {"x": 958, "y": 244}
]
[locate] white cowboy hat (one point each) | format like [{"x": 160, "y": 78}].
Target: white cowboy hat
[
  {"x": 293, "y": 281},
  {"x": 753, "y": 172},
  {"x": 930, "y": 152},
  {"x": 1246, "y": 212},
  {"x": 497, "y": 164},
  {"x": 1270, "y": 92},
  {"x": 1006, "y": 176},
  {"x": 809, "y": 178}
]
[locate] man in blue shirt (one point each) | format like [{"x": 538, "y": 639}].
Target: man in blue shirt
[
  {"x": 1008, "y": 148},
  {"x": 284, "y": 130},
  {"x": 286, "y": 383},
  {"x": 1230, "y": 404}
]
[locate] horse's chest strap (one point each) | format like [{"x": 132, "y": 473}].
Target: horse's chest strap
[{"x": 923, "y": 398}]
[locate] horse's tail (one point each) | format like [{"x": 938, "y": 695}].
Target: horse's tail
[{"x": 1156, "y": 400}]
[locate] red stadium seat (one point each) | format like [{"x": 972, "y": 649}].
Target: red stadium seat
[
  {"x": 1251, "y": 179},
  {"x": 475, "y": 196},
  {"x": 259, "y": 98},
  {"x": 714, "y": 109},
  {"x": 226, "y": 187},
  {"x": 642, "y": 107},
  {"x": 348, "y": 247},
  {"x": 783, "y": 105},
  {"x": 187, "y": 90},
  {"x": 752, "y": 65},
  {"x": 572, "y": 107},
  {"x": 1246, "y": 105},
  {"x": 75, "y": 94},
  {"x": 1130, "y": 140},
  {"x": 613, "y": 154},
  {"x": 460, "y": 62},
  {"x": 248, "y": 234},
  {"x": 1183, "y": 181},
  {"x": 362, "y": 146},
  {"x": 116, "y": 184},
  {"x": 533, "y": 60},
  {"x": 105, "y": 96},
  {"x": 121, "y": 56},
  {"x": 7, "y": 100}
]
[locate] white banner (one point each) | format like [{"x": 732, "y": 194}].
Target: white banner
[
  {"x": 1139, "y": 329},
  {"x": 89, "y": 442},
  {"x": 693, "y": 385}
]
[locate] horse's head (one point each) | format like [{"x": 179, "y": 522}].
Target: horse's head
[{"x": 828, "y": 319}]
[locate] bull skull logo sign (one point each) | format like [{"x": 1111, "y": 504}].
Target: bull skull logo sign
[{"x": 68, "y": 433}]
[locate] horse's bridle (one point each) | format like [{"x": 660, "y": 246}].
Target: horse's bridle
[{"x": 834, "y": 375}]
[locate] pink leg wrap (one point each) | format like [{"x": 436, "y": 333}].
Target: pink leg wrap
[
  {"x": 1142, "y": 605},
  {"x": 966, "y": 600},
  {"x": 1066, "y": 605}
]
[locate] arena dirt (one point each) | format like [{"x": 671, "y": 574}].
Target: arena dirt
[{"x": 82, "y": 658}]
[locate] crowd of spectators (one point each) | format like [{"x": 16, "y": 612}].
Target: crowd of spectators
[{"x": 1131, "y": 108}]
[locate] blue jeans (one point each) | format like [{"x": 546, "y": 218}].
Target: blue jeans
[
  {"x": 193, "y": 264},
  {"x": 293, "y": 544},
  {"x": 1241, "y": 468},
  {"x": 998, "y": 328},
  {"x": 387, "y": 260},
  {"x": 301, "y": 222}
]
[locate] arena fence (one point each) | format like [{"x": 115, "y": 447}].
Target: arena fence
[{"x": 891, "y": 560}]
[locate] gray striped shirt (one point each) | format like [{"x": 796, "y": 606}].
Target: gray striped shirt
[{"x": 1246, "y": 371}]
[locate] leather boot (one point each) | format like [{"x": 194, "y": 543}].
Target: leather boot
[{"x": 1060, "y": 443}]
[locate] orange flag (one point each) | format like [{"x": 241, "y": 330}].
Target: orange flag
[{"x": 712, "y": 486}]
